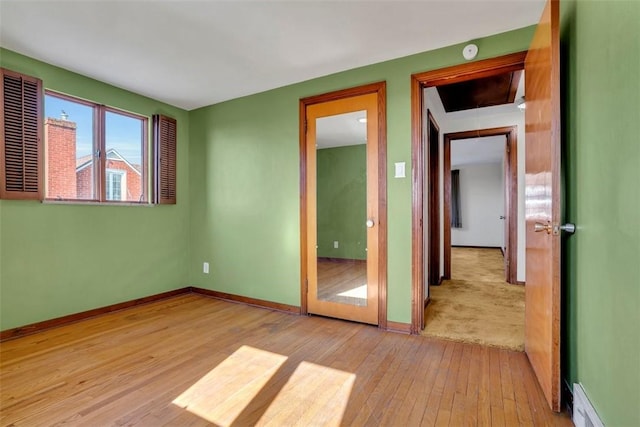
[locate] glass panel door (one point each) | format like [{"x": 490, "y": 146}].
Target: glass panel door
[{"x": 342, "y": 200}]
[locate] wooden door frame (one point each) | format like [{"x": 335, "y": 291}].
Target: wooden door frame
[
  {"x": 379, "y": 89},
  {"x": 419, "y": 81},
  {"x": 511, "y": 195},
  {"x": 433, "y": 229}
]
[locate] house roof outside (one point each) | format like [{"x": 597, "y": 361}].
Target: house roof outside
[{"x": 112, "y": 154}]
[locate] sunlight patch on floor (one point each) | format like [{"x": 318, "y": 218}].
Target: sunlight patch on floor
[
  {"x": 359, "y": 292},
  {"x": 222, "y": 394},
  {"x": 313, "y": 395}
]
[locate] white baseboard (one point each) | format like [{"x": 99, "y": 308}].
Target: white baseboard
[{"x": 584, "y": 414}]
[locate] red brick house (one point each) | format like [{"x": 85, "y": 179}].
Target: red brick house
[{"x": 71, "y": 177}]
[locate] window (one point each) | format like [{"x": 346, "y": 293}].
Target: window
[
  {"x": 116, "y": 184},
  {"x": 64, "y": 148},
  {"x": 94, "y": 152}
]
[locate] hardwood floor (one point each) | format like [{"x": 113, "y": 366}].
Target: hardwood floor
[
  {"x": 192, "y": 360},
  {"x": 342, "y": 281}
]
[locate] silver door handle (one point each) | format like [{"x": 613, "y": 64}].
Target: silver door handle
[
  {"x": 370, "y": 223},
  {"x": 568, "y": 228}
]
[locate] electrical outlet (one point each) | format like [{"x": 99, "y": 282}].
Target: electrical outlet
[
  {"x": 336, "y": 245},
  {"x": 205, "y": 268}
]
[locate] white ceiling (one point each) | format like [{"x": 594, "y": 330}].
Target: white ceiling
[
  {"x": 196, "y": 53},
  {"x": 341, "y": 130},
  {"x": 489, "y": 149}
]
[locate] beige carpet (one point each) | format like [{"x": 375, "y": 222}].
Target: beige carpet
[{"x": 477, "y": 305}]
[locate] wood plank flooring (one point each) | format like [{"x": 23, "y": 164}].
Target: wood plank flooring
[
  {"x": 192, "y": 360},
  {"x": 342, "y": 281}
]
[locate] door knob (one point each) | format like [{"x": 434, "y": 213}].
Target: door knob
[
  {"x": 568, "y": 228},
  {"x": 539, "y": 227},
  {"x": 502, "y": 217},
  {"x": 370, "y": 223}
]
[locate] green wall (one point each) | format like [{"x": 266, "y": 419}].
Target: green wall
[
  {"x": 342, "y": 201},
  {"x": 238, "y": 202},
  {"x": 601, "y": 56},
  {"x": 245, "y": 181},
  {"x": 59, "y": 259}
]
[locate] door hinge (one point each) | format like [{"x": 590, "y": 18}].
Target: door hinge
[
  {"x": 306, "y": 285},
  {"x": 305, "y": 126},
  {"x": 508, "y": 149}
]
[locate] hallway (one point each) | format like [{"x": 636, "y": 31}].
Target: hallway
[{"x": 477, "y": 305}]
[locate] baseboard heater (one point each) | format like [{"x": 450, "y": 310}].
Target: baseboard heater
[{"x": 584, "y": 414}]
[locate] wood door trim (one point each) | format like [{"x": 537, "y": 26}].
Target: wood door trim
[
  {"x": 379, "y": 89},
  {"x": 419, "y": 81},
  {"x": 511, "y": 200},
  {"x": 472, "y": 70},
  {"x": 433, "y": 229},
  {"x": 417, "y": 203}
]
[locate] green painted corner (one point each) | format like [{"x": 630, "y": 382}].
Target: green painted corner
[
  {"x": 601, "y": 65},
  {"x": 60, "y": 259},
  {"x": 245, "y": 179},
  {"x": 238, "y": 202},
  {"x": 342, "y": 202}
]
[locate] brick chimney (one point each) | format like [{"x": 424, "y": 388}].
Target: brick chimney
[{"x": 61, "y": 158}]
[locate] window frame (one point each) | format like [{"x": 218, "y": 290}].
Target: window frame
[{"x": 100, "y": 153}]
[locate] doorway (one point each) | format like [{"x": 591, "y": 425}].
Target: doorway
[
  {"x": 474, "y": 302},
  {"x": 542, "y": 191},
  {"x": 509, "y": 216},
  {"x": 343, "y": 216},
  {"x": 462, "y": 73}
]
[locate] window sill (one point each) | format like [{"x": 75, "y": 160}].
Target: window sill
[{"x": 94, "y": 203}]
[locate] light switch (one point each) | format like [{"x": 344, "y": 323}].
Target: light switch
[{"x": 400, "y": 173}]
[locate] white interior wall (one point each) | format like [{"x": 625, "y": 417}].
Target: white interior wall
[
  {"x": 481, "y": 205},
  {"x": 490, "y": 117}
]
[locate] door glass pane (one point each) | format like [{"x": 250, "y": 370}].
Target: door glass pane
[{"x": 342, "y": 208}]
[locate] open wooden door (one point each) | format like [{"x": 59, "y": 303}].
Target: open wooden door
[{"x": 542, "y": 204}]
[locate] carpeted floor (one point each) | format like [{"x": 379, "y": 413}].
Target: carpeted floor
[{"x": 477, "y": 305}]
